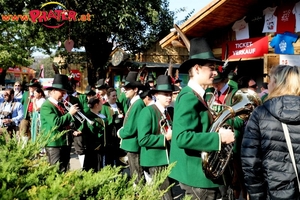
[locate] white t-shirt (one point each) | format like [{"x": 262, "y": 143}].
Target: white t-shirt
[
  {"x": 270, "y": 25},
  {"x": 241, "y": 29},
  {"x": 39, "y": 102},
  {"x": 296, "y": 12}
]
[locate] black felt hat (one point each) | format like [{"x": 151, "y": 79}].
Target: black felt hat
[
  {"x": 100, "y": 84},
  {"x": 150, "y": 77},
  {"x": 131, "y": 81},
  {"x": 222, "y": 74},
  {"x": 88, "y": 91},
  {"x": 200, "y": 53},
  {"x": 178, "y": 81},
  {"x": 164, "y": 84},
  {"x": 60, "y": 82},
  {"x": 34, "y": 83}
]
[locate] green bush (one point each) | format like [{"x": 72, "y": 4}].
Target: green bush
[{"x": 25, "y": 175}]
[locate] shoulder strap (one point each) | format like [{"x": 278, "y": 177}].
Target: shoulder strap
[
  {"x": 289, "y": 145},
  {"x": 158, "y": 115}
]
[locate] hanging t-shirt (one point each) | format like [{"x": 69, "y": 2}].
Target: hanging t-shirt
[
  {"x": 256, "y": 24},
  {"x": 296, "y": 12},
  {"x": 270, "y": 25},
  {"x": 285, "y": 18},
  {"x": 283, "y": 43},
  {"x": 241, "y": 29}
]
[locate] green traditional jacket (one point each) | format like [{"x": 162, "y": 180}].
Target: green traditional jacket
[
  {"x": 83, "y": 102},
  {"x": 52, "y": 120},
  {"x": 108, "y": 112},
  {"x": 190, "y": 137},
  {"x": 238, "y": 123},
  {"x": 122, "y": 99},
  {"x": 25, "y": 101},
  {"x": 93, "y": 135},
  {"x": 264, "y": 97},
  {"x": 129, "y": 131},
  {"x": 154, "y": 150}
]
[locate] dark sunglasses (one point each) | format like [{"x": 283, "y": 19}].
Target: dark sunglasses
[{"x": 253, "y": 86}]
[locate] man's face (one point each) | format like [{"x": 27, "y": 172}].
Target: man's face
[
  {"x": 58, "y": 94},
  {"x": 130, "y": 93},
  {"x": 7, "y": 96},
  {"x": 252, "y": 85},
  {"x": 17, "y": 86},
  {"x": 164, "y": 98},
  {"x": 205, "y": 74},
  {"x": 31, "y": 89}
]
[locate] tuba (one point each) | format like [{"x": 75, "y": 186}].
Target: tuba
[{"x": 244, "y": 101}]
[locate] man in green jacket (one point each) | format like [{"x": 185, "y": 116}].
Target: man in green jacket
[
  {"x": 221, "y": 94},
  {"x": 192, "y": 120},
  {"x": 129, "y": 132},
  {"x": 54, "y": 120},
  {"x": 155, "y": 132}
]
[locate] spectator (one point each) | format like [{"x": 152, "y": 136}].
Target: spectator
[{"x": 266, "y": 162}]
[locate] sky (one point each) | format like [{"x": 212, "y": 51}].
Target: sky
[
  {"x": 174, "y": 5},
  {"x": 189, "y": 5}
]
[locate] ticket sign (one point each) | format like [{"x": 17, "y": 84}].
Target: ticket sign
[
  {"x": 249, "y": 48},
  {"x": 75, "y": 74}
]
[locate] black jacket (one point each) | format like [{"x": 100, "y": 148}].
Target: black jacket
[{"x": 267, "y": 166}]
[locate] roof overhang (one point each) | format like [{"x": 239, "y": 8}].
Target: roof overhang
[{"x": 217, "y": 15}]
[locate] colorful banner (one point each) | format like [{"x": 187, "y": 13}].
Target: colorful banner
[{"x": 248, "y": 48}]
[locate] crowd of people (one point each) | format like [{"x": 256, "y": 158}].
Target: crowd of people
[{"x": 145, "y": 127}]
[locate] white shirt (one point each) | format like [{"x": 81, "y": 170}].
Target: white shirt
[
  {"x": 52, "y": 100},
  {"x": 270, "y": 25},
  {"x": 134, "y": 99},
  {"x": 195, "y": 86},
  {"x": 241, "y": 29}
]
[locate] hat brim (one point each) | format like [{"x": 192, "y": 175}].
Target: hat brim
[
  {"x": 134, "y": 84},
  {"x": 90, "y": 93},
  {"x": 34, "y": 85},
  {"x": 57, "y": 88},
  {"x": 101, "y": 87},
  {"x": 185, "y": 67}
]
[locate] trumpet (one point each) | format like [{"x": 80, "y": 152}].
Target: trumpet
[
  {"x": 79, "y": 115},
  {"x": 164, "y": 125}
]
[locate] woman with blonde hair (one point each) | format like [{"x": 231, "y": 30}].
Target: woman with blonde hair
[{"x": 266, "y": 162}]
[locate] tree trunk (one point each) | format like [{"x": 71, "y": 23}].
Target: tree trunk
[
  {"x": 2, "y": 77},
  {"x": 98, "y": 52}
]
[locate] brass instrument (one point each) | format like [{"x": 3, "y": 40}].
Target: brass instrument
[
  {"x": 244, "y": 102},
  {"x": 79, "y": 115},
  {"x": 165, "y": 125}
]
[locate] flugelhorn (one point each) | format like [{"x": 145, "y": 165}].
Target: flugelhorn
[{"x": 79, "y": 115}]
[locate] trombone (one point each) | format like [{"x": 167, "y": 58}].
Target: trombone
[{"x": 79, "y": 115}]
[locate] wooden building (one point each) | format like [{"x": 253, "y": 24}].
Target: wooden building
[{"x": 215, "y": 23}]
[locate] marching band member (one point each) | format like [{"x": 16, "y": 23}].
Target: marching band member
[
  {"x": 155, "y": 132},
  {"x": 114, "y": 113},
  {"x": 219, "y": 95},
  {"x": 128, "y": 133},
  {"x": 101, "y": 88},
  {"x": 191, "y": 123},
  {"x": 93, "y": 136},
  {"x": 54, "y": 119}
]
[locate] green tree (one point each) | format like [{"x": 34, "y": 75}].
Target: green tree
[{"x": 133, "y": 25}]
